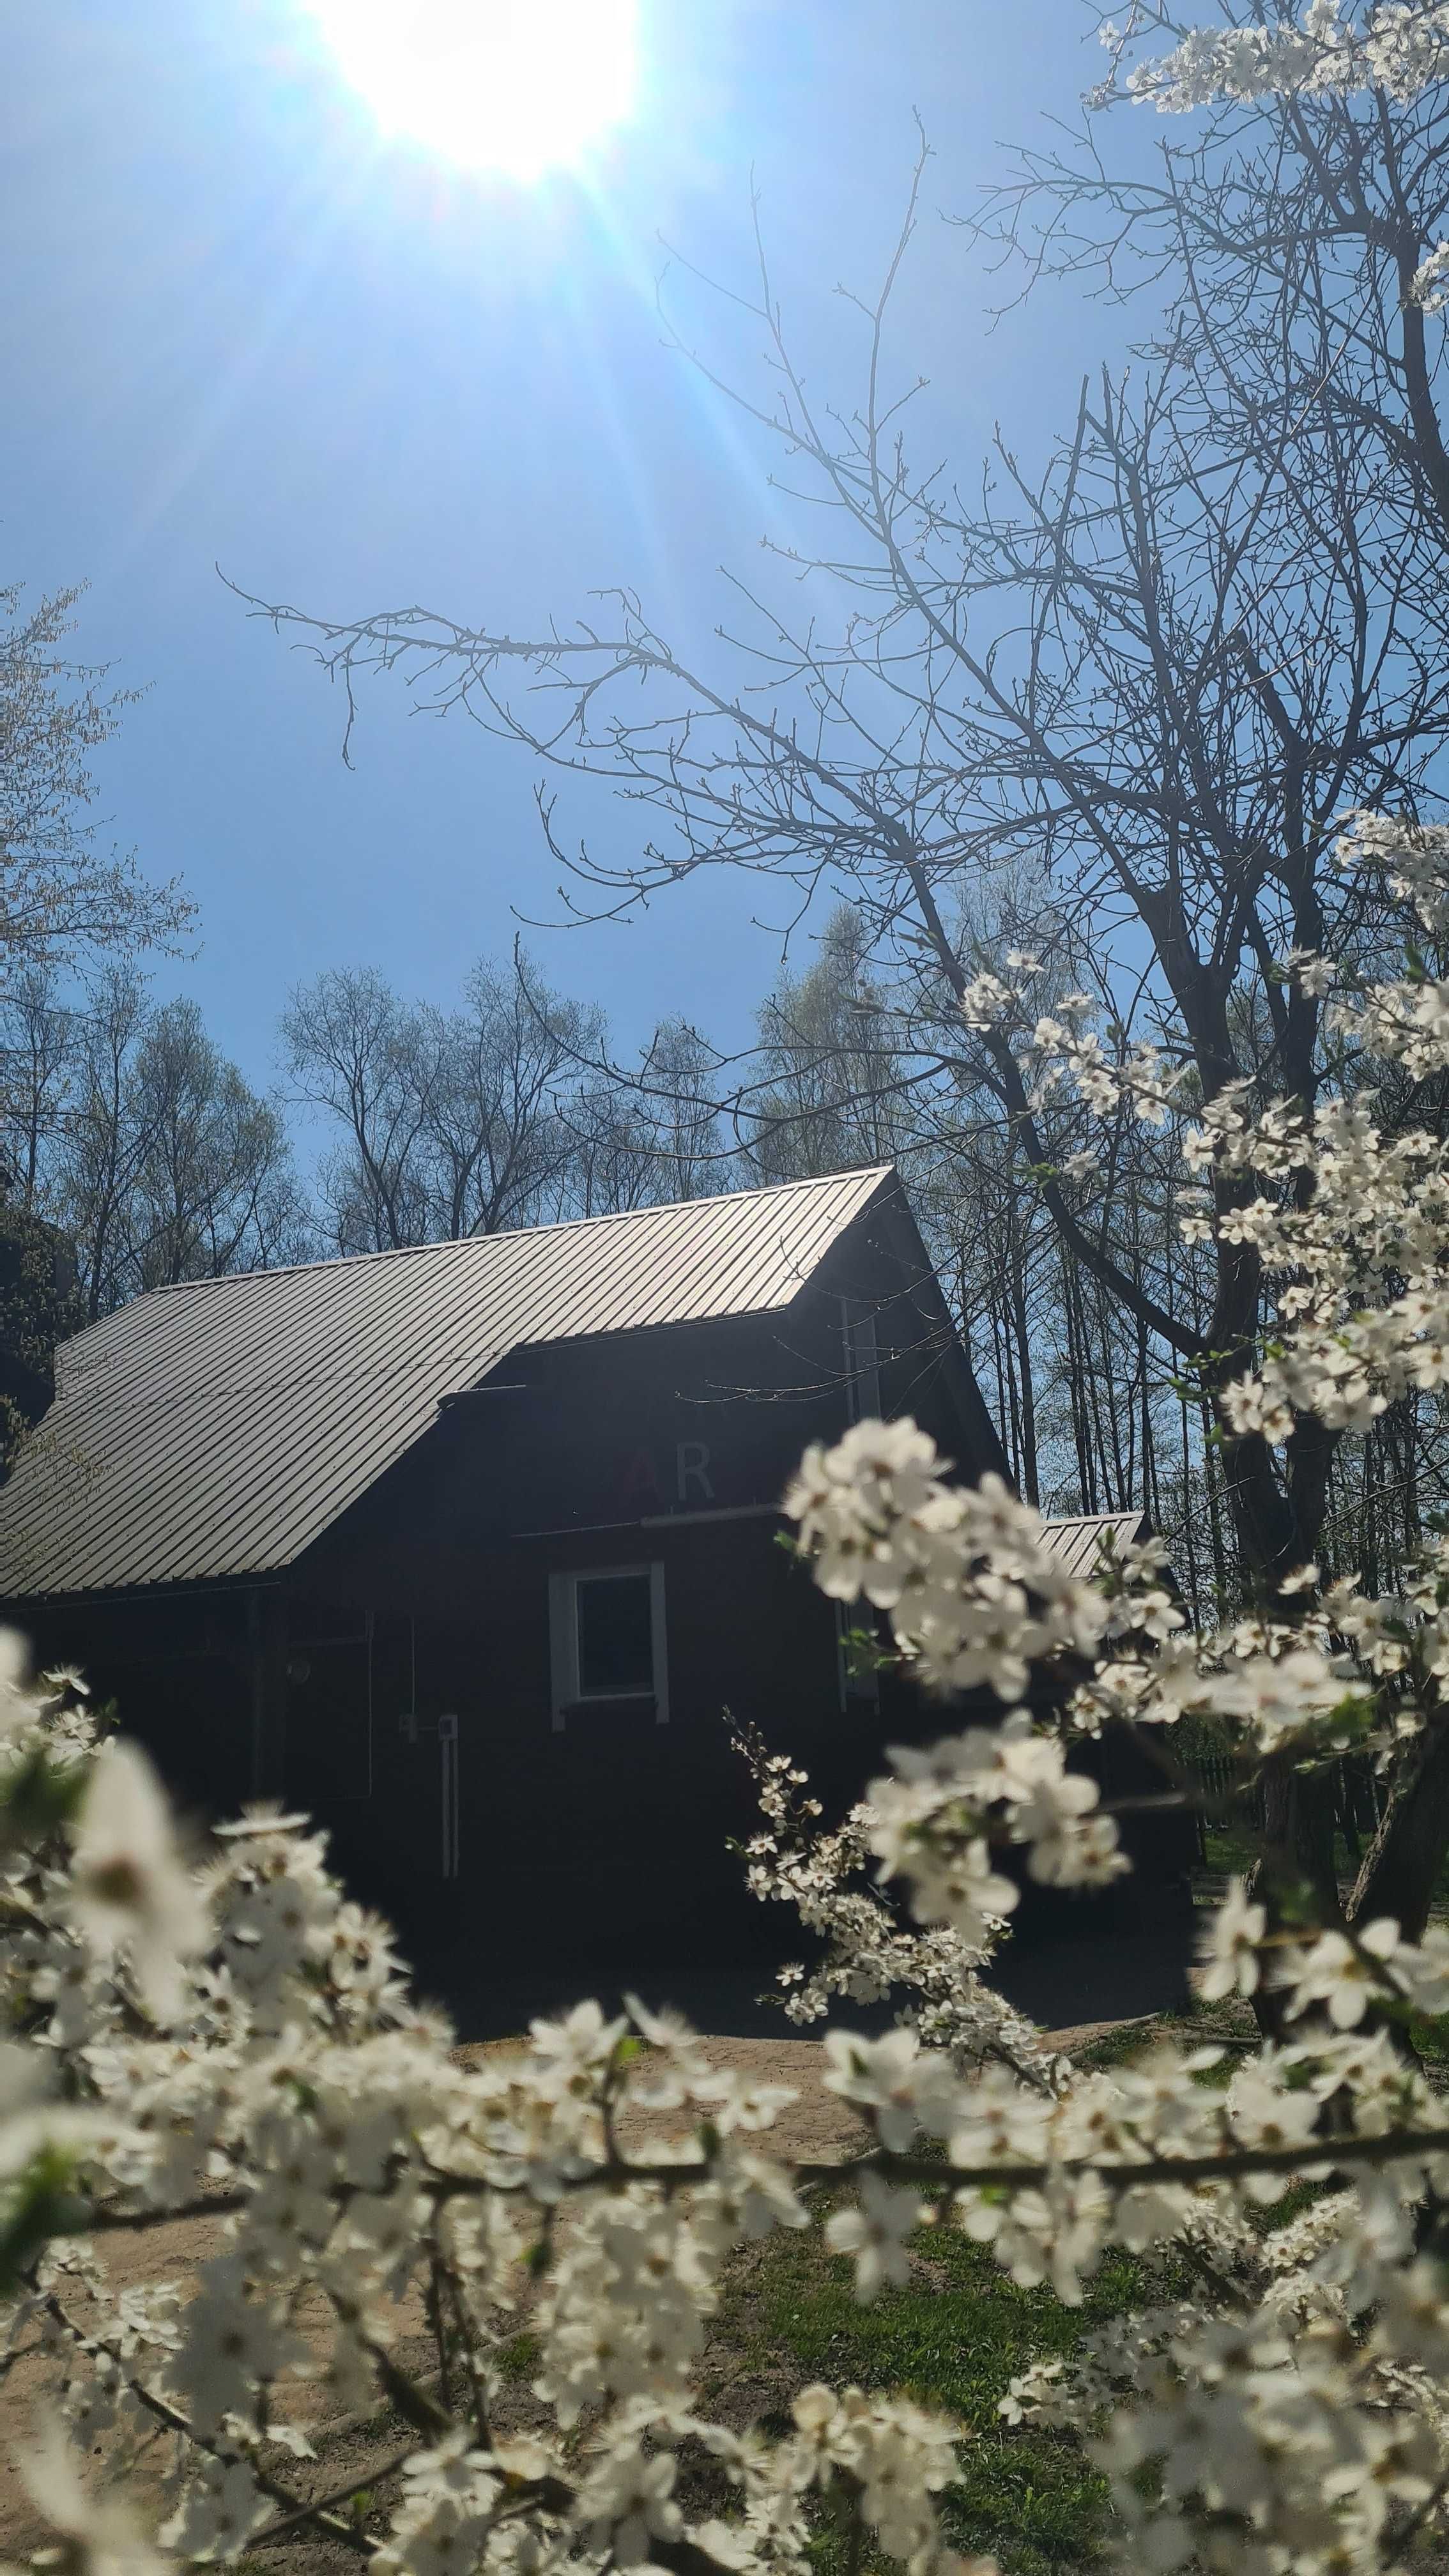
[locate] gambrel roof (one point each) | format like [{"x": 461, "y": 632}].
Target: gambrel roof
[{"x": 217, "y": 1428}]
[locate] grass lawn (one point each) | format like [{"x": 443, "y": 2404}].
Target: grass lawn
[{"x": 953, "y": 2338}]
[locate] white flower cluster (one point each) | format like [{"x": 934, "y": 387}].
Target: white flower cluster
[
  {"x": 877, "y": 1518},
  {"x": 1413, "y": 859},
  {"x": 1065, "y": 1050},
  {"x": 880, "y": 1524},
  {"x": 1398, "y": 47},
  {"x": 238, "y": 2039},
  {"x": 1061, "y": 1048},
  {"x": 1349, "y": 1218},
  {"x": 867, "y": 1953},
  {"x": 1429, "y": 286},
  {"x": 1350, "y": 1224}
]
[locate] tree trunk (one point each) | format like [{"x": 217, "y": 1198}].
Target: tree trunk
[
  {"x": 1214, "y": 1507},
  {"x": 1402, "y": 1864},
  {"x": 1022, "y": 1332},
  {"x": 1296, "y": 1867}
]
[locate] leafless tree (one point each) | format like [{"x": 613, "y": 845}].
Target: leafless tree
[
  {"x": 38, "y": 1053},
  {"x": 502, "y": 1142},
  {"x": 613, "y": 1164},
  {"x": 356, "y": 1052},
  {"x": 499, "y": 1113},
  {"x": 103, "y": 1146},
  {"x": 214, "y": 1189},
  {"x": 139, "y": 1142},
  {"x": 691, "y": 1155},
  {"x": 831, "y": 1088}
]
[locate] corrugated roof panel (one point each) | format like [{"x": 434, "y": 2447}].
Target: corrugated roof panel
[
  {"x": 218, "y": 1428},
  {"x": 1080, "y": 1541}
]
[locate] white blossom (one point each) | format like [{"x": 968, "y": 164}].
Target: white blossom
[
  {"x": 130, "y": 1889},
  {"x": 1343, "y": 1975},
  {"x": 875, "y": 2232},
  {"x": 1231, "y": 1946},
  {"x": 99, "y": 2536}
]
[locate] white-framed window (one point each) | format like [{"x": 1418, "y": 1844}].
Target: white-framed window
[
  {"x": 862, "y": 1360},
  {"x": 607, "y": 1640}
]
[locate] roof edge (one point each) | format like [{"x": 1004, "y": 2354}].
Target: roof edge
[{"x": 881, "y": 1173}]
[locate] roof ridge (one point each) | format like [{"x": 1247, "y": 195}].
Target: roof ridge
[
  {"x": 510, "y": 1233},
  {"x": 1079, "y": 1520}
]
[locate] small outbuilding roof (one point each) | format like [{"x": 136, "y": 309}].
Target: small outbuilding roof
[
  {"x": 1083, "y": 1541},
  {"x": 217, "y": 1428}
]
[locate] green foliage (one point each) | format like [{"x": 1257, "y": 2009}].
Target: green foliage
[
  {"x": 37, "y": 1797},
  {"x": 39, "y": 2204},
  {"x": 1230, "y": 1850},
  {"x": 519, "y": 2357}
]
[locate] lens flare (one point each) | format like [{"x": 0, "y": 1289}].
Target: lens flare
[{"x": 519, "y": 87}]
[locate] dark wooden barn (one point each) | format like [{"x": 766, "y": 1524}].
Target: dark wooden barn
[{"x": 465, "y": 1549}]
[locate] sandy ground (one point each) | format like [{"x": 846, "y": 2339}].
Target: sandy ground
[{"x": 813, "y": 2128}]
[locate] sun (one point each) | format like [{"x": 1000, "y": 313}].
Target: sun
[{"x": 514, "y": 86}]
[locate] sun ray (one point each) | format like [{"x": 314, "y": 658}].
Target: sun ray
[{"x": 516, "y": 87}]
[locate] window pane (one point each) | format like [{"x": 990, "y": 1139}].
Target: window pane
[{"x": 615, "y": 1634}]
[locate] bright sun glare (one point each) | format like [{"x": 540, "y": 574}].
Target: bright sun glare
[{"x": 516, "y": 86}]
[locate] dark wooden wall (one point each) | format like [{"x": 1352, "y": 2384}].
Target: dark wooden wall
[{"x": 611, "y": 1836}]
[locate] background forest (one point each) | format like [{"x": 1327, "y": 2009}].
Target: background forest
[{"x": 132, "y": 1141}]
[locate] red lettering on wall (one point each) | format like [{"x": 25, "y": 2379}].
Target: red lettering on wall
[{"x": 638, "y": 1491}]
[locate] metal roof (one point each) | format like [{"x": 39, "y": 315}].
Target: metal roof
[
  {"x": 217, "y": 1428},
  {"x": 1079, "y": 1542}
]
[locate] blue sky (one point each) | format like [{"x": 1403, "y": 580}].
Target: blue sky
[{"x": 239, "y": 330}]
